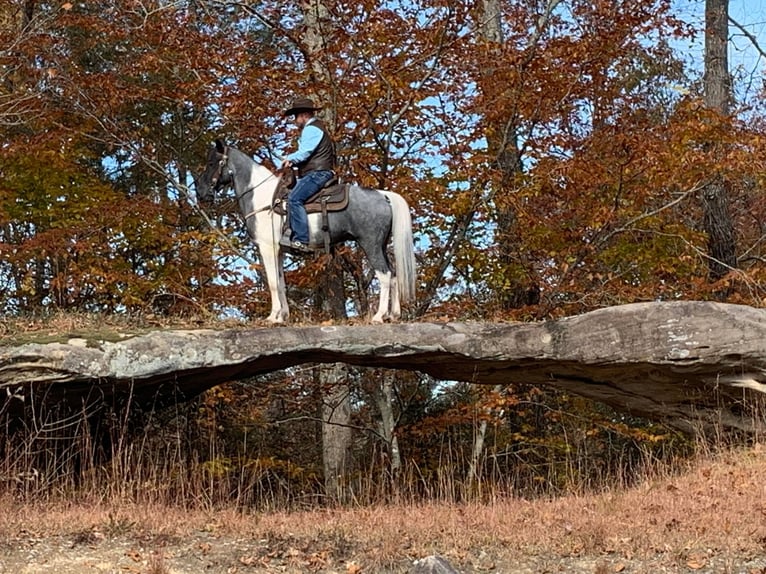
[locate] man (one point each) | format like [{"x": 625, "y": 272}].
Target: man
[{"x": 315, "y": 160}]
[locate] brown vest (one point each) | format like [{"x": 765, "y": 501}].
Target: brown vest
[{"x": 323, "y": 156}]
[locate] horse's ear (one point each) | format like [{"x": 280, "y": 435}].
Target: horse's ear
[{"x": 220, "y": 148}]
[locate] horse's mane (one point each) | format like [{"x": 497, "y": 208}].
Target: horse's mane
[{"x": 256, "y": 165}]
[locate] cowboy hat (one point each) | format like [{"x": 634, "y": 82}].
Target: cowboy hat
[{"x": 301, "y": 105}]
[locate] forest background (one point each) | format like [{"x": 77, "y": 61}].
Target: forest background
[{"x": 558, "y": 156}]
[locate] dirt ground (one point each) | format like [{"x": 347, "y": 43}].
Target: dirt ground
[{"x": 215, "y": 554}]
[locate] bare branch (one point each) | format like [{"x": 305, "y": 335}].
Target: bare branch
[{"x": 749, "y": 36}]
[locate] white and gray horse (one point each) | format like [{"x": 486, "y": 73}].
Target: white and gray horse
[{"x": 371, "y": 219}]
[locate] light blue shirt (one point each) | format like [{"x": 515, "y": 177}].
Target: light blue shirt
[{"x": 307, "y": 143}]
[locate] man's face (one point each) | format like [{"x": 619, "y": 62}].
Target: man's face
[{"x": 301, "y": 118}]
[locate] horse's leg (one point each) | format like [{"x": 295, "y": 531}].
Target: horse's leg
[
  {"x": 272, "y": 258},
  {"x": 284, "y": 313},
  {"x": 396, "y": 306},
  {"x": 274, "y": 280},
  {"x": 379, "y": 262},
  {"x": 384, "y": 278},
  {"x": 370, "y": 220}
]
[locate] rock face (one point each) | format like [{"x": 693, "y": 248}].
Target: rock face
[{"x": 684, "y": 363}]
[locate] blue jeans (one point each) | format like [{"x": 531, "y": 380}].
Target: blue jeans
[{"x": 307, "y": 186}]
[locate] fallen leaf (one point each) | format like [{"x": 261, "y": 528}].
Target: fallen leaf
[
  {"x": 318, "y": 560},
  {"x": 696, "y": 563},
  {"x": 293, "y": 553}
]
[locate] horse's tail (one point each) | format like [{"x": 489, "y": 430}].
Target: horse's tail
[{"x": 404, "y": 250}]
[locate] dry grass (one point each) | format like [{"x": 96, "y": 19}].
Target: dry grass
[{"x": 717, "y": 506}]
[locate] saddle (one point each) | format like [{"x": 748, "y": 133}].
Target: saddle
[{"x": 333, "y": 196}]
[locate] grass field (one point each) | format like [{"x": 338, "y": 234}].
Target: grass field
[{"x": 708, "y": 517}]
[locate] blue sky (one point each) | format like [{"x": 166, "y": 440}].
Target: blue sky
[{"x": 745, "y": 61}]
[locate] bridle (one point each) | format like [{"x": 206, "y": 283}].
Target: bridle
[{"x": 222, "y": 163}]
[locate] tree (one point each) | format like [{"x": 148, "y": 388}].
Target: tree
[
  {"x": 17, "y": 98},
  {"x": 717, "y": 85},
  {"x": 333, "y": 379},
  {"x": 553, "y": 154},
  {"x": 106, "y": 137},
  {"x": 505, "y": 128}
]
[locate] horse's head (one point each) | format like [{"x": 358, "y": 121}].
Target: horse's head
[{"x": 217, "y": 173}]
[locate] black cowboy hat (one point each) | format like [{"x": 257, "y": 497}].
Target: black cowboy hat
[{"x": 301, "y": 105}]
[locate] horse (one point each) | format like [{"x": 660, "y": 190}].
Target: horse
[{"x": 371, "y": 218}]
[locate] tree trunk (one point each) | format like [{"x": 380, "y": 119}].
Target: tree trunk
[
  {"x": 336, "y": 405},
  {"x": 384, "y": 398},
  {"x": 502, "y": 133},
  {"x": 318, "y": 25},
  {"x": 717, "y": 84},
  {"x": 478, "y": 448},
  {"x": 336, "y": 434}
]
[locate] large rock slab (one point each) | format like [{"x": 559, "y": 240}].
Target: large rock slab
[{"x": 679, "y": 362}]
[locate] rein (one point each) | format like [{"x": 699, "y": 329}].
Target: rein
[
  {"x": 251, "y": 190},
  {"x": 256, "y": 212},
  {"x": 223, "y": 163}
]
